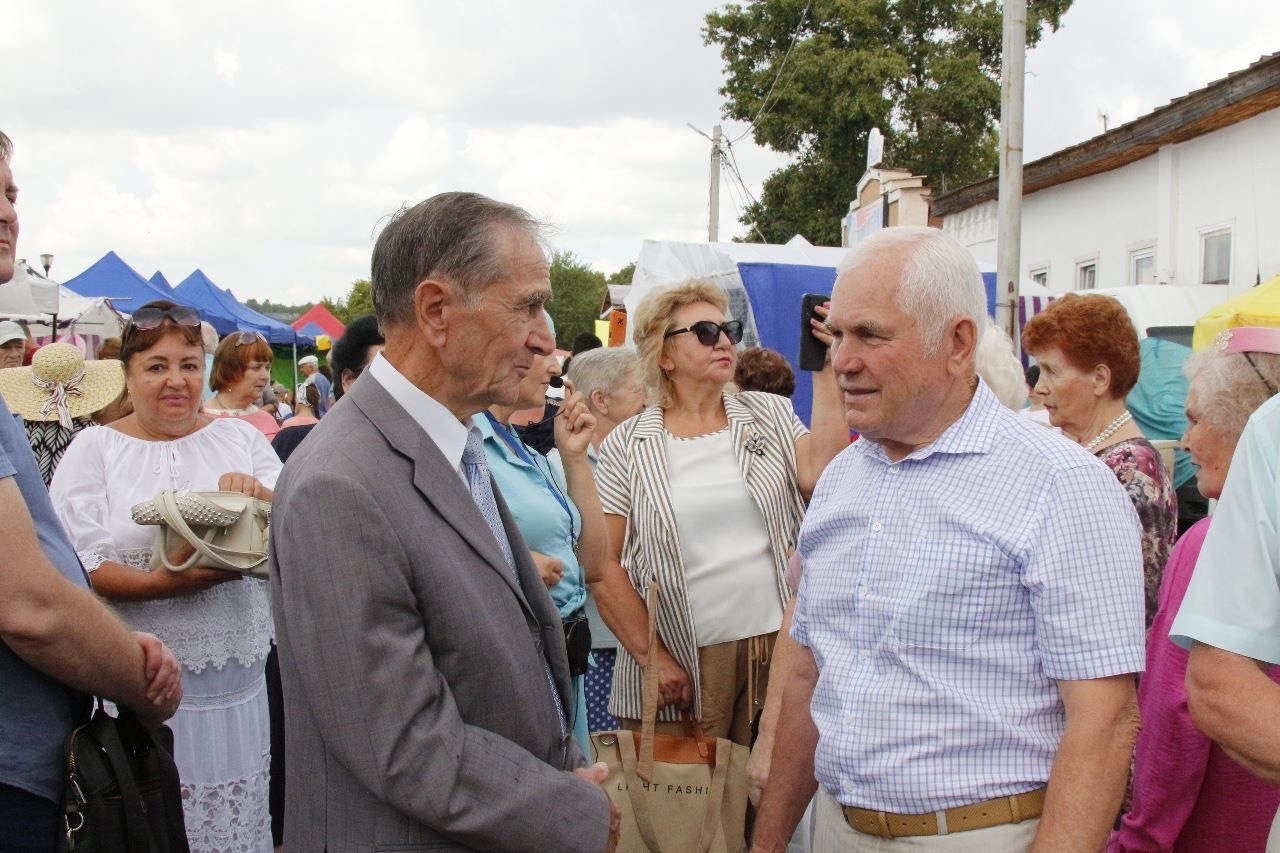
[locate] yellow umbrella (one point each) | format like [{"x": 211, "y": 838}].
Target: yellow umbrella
[{"x": 1258, "y": 306}]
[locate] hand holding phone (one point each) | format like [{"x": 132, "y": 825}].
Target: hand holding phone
[{"x": 813, "y": 352}]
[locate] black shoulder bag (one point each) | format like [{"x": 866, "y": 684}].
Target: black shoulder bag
[{"x": 122, "y": 793}]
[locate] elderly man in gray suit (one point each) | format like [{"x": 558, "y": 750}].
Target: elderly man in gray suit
[{"x": 424, "y": 670}]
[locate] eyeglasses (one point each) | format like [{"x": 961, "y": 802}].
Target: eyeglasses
[
  {"x": 243, "y": 338},
  {"x": 149, "y": 317},
  {"x": 709, "y": 333}
]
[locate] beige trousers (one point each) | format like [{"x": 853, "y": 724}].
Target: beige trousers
[
  {"x": 832, "y": 834},
  {"x": 734, "y": 678}
]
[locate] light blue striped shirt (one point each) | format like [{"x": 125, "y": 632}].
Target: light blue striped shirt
[{"x": 943, "y": 597}]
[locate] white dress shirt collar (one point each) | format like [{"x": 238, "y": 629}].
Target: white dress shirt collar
[{"x": 440, "y": 425}]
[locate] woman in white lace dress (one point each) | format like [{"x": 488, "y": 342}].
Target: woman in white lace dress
[{"x": 217, "y": 623}]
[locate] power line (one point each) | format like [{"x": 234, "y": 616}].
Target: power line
[
  {"x": 795, "y": 35},
  {"x": 731, "y": 163}
]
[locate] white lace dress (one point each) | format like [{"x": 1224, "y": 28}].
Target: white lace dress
[{"x": 221, "y": 636}]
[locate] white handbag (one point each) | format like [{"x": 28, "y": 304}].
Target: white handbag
[{"x": 228, "y": 530}]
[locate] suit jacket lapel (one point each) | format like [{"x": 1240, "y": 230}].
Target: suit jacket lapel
[{"x": 436, "y": 480}]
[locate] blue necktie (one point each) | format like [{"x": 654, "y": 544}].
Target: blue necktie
[{"x": 477, "y": 470}]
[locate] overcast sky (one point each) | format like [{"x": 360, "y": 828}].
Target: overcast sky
[{"x": 264, "y": 142}]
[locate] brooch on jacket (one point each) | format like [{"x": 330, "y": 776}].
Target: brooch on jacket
[{"x": 755, "y": 444}]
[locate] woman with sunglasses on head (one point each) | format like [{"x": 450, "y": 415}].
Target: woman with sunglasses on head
[
  {"x": 704, "y": 492},
  {"x": 241, "y": 372},
  {"x": 217, "y": 623}
]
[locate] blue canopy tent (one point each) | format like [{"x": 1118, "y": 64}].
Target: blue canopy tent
[
  {"x": 196, "y": 289},
  {"x": 113, "y": 279},
  {"x": 776, "y": 290},
  {"x": 160, "y": 282},
  {"x": 214, "y": 301}
]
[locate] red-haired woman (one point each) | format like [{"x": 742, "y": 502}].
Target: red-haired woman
[{"x": 1087, "y": 350}]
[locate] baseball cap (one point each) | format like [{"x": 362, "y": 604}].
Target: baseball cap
[{"x": 11, "y": 331}]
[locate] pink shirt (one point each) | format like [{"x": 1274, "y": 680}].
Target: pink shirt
[
  {"x": 1188, "y": 795},
  {"x": 263, "y": 421}
]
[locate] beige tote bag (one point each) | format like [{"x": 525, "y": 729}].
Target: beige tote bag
[{"x": 676, "y": 794}]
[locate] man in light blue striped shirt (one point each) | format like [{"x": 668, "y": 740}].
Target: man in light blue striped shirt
[{"x": 971, "y": 613}]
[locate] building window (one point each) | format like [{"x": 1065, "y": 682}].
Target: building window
[
  {"x": 1142, "y": 266},
  {"x": 1215, "y": 257},
  {"x": 1087, "y": 275},
  {"x": 1040, "y": 276}
]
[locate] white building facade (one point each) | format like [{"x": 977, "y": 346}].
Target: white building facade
[{"x": 1188, "y": 196}]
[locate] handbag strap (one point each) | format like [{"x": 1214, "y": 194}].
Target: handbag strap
[
  {"x": 167, "y": 506},
  {"x": 649, "y": 697},
  {"x": 136, "y": 827},
  {"x": 637, "y": 789},
  {"x": 715, "y": 804}
]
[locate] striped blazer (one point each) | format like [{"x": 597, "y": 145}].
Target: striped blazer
[{"x": 633, "y": 483}]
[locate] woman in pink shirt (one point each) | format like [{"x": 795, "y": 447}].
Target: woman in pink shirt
[{"x": 1188, "y": 795}]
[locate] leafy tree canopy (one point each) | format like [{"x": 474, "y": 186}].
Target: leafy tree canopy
[
  {"x": 578, "y": 291},
  {"x": 926, "y": 72},
  {"x": 357, "y": 302},
  {"x": 278, "y": 309},
  {"x": 624, "y": 275}
]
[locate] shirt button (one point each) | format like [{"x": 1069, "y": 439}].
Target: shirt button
[
  {"x": 848, "y": 718},
  {"x": 862, "y": 591},
  {"x": 876, "y": 526},
  {"x": 893, "y": 469},
  {"x": 864, "y": 655},
  {"x": 847, "y": 786}
]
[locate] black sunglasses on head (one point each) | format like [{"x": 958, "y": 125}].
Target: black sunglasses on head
[
  {"x": 709, "y": 333},
  {"x": 149, "y": 317}
]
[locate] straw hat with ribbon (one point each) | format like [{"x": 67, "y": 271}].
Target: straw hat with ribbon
[{"x": 60, "y": 385}]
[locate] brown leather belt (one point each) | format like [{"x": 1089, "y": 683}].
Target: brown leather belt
[{"x": 995, "y": 812}]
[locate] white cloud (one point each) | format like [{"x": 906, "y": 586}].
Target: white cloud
[{"x": 266, "y": 142}]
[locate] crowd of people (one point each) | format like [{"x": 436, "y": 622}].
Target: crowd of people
[{"x": 937, "y": 621}]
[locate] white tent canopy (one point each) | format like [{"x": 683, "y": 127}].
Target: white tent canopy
[
  {"x": 35, "y": 299},
  {"x": 665, "y": 262}
]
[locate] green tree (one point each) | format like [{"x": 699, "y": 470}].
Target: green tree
[
  {"x": 624, "y": 275},
  {"x": 926, "y": 72},
  {"x": 578, "y": 291},
  {"x": 357, "y": 302}
]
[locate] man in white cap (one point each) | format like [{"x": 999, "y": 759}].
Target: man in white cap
[
  {"x": 57, "y": 642},
  {"x": 310, "y": 367},
  {"x": 13, "y": 344}
]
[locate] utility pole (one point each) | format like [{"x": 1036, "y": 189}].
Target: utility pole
[
  {"x": 1009, "y": 241},
  {"x": 713, "y": 217}
]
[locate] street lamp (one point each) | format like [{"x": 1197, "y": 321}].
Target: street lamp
[{"x": 47, "y": 261}]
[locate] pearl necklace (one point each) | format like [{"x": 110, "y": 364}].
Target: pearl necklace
[{"x": 1110, "y": 430}]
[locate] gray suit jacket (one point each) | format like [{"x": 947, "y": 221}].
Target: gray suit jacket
[{"x": 417, "y": 709}]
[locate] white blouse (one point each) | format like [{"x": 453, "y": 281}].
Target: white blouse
[
  {"x": 728, "y": 561},
  {"x": 104, "y": 473}
]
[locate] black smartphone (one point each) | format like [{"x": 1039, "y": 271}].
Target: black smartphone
[{"x": 813, "y": 352}]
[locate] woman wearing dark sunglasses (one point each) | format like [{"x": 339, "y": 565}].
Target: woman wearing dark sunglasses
[
  {"x": 217, "y": 623},
  {"x": 241, "y": 372},
  {"x": 704, "y": 492}
]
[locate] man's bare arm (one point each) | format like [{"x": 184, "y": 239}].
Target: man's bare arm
[
  {"x": 1235, "y": 702},
  {"x": 1086, "y": 783},
  {"x": 791, "y": 783},
  {"x": 60, "y": 629}
]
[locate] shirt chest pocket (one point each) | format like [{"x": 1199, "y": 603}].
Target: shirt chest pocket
[{"x": 947, "y": 594}]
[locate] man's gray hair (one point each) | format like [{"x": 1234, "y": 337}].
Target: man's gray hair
[
  {"x": 452, "y": 236},
  {"x": 6, "y": 147},
  {"x": 940, "y": 280},
  {"x": 1229, "y": 389},
  {"x": 602, "y": 369}
]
